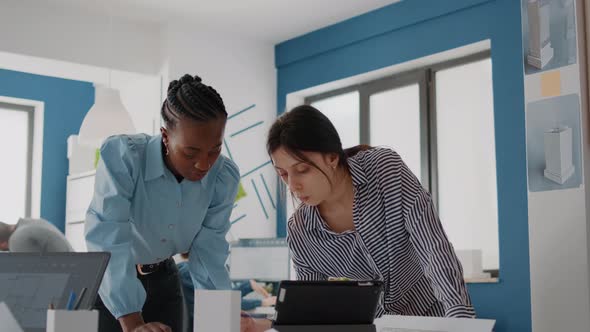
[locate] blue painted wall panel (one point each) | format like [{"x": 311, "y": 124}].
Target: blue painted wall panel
[{"x": 66, "y": 104}]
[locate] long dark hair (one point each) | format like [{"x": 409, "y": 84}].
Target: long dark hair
[
  {"x": 306, "y": 129},
  {"x": 188, "y": 97}
]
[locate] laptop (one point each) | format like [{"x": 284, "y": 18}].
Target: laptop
[
  {"x": 344, "y": 305},
  {"x": 31, "y": 282}
]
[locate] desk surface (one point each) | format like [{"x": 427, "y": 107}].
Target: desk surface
[
  {"x": 432, "y": 324},
  {"x": 390, "y": 323},
  {"x": 481, "y": 280}
]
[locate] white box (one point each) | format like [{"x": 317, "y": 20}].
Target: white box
[
  {"x": 72, "y": 320},
  {"x": 217, "y": 310},
  {"x": 471, "y": 261}
]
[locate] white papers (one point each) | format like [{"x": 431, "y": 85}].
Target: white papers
[
  {"x": 264, "y": 310},
  {"x": 432, "y": 324},
  {"x": 9, "y": 323}
]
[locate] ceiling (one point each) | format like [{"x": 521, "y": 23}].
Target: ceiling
[{"x": 266, "y": 20}]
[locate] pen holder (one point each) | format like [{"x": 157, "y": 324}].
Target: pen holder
[{"x": 72, "y": 320}]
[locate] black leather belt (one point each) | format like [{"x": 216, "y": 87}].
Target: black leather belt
[{"x": 145, "y": 269}]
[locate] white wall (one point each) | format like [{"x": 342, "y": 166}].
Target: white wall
[
  {"x": 243, "y": 72},
  {"x": 585, "y": 87},
  {"x": 558, "y": 236},
  {"x": 44, "y": 39},
  {"x": 42, "y": 29}
]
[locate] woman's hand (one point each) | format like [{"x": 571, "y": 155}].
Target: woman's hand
[
  {"x": 134, "y": 323},
  {"x": 269, "y": 301},
  {"x": 153, "y": 327},
  {"x": 258, "y": 288},
  {"x": 249, "y": 324}
]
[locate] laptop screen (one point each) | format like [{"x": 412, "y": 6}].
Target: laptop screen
[
  {"x": 260, "y": 259},
  {"x": 31, "y": 282}
]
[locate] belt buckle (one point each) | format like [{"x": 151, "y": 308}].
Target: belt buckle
[{"x": 140, "y": 269}]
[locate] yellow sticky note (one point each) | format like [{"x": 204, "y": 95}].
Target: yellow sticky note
[
  {"x": 551, "y": 84},
  {"x": 241, "y": 192}
]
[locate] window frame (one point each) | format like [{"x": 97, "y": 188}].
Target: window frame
[
  {"x": 30, "y": 110},
  {"x": 425, "y": 78}
]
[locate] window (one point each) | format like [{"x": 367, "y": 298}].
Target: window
[
  {"x": 388, "y": 112},
  {"x": 16, "y": 140},
  {"x": 466, "y": 158},
  {"x": 343, "y": 112},
  {"x": 394, "y": 118},
  {"x": 440, "y": 120}
]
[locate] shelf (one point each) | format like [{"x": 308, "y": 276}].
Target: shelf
[
  {"x": 482, "y": 280},
  {"x": 81, "y": 175}
]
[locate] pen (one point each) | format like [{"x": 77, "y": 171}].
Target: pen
[
  {"x": 71, "y": 301},
  {"x": 79, "y": 300}
]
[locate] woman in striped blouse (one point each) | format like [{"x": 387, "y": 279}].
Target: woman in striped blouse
[{"x": 364, "y": 215}]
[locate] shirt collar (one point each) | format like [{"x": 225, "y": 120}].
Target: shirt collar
[
  {"x": 356, "y": 172},
  {"x": 154, "y": 167}
]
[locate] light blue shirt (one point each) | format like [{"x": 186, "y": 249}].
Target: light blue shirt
[{"x": 141, "y": 215}]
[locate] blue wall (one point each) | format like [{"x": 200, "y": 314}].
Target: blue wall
[
  {"x": 416, "y": 28},
  {"x": 66, "y": 104}
]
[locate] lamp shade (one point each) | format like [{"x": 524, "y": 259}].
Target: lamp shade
[{"x": 105, "y": 118}]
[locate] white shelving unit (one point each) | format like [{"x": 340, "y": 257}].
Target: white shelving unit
[
  {"x": 79, "y": 191},
  {"x": 80, "y": 188}
]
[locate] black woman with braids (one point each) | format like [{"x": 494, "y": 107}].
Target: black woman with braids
[{"x": 156, "y": 196}]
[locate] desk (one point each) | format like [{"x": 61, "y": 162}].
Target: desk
[
  {"x": 402, "y": 324},
  {"x": 481, "y": 280},
  {"x": 432, "y": 324}
]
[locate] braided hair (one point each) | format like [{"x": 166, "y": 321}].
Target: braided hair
[{"x": 189, "y": 97}]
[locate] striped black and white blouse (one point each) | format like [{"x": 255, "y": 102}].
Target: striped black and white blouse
[{"x": 398, "y": 239}]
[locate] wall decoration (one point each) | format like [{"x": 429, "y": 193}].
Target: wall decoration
[
  {"x": 256, "y": 199},
  {"x": 553, "y": 143},
  {"x": 549, "y": 34}
]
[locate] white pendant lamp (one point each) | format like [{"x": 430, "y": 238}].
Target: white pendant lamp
[{"x": 107, "y": 116}]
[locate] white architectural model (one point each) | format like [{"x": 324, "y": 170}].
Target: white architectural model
[
  {"x": 540, "y": 50},
  {"x": 558, "y": 154}
]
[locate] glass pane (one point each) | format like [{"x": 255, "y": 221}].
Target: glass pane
[
  {"x": 13, "y": 175},
  {"x": 395, "y": 123},
  {"x": 467, "y": 158},
  {"x": 343, "y": 111}
]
